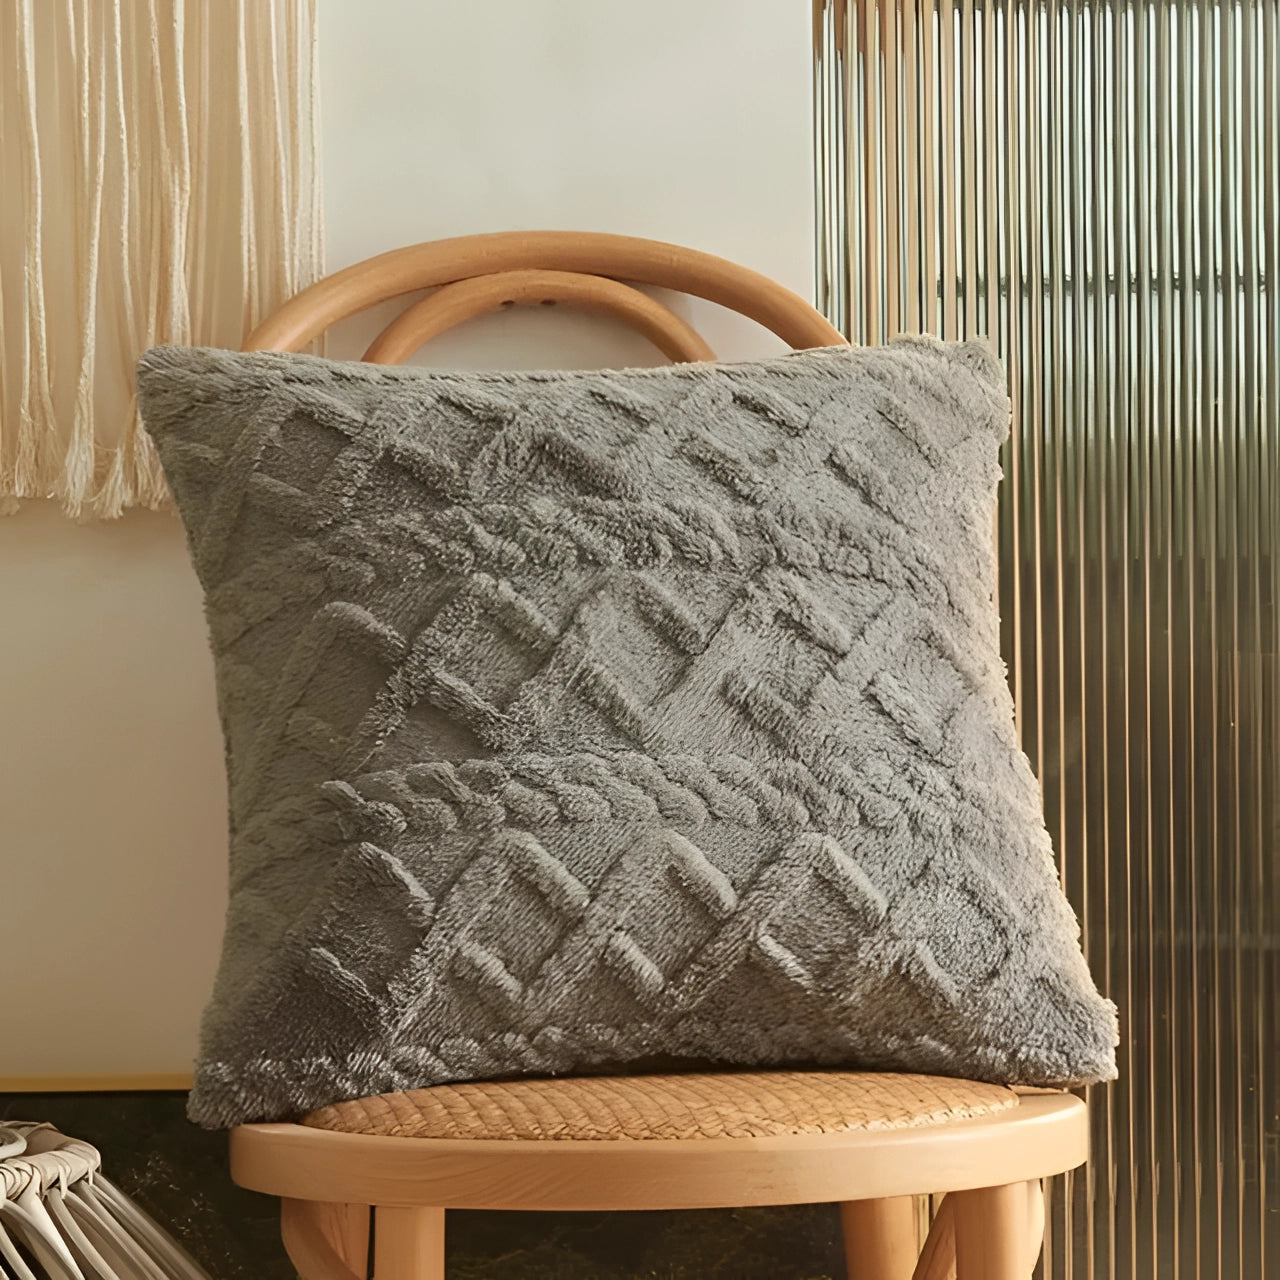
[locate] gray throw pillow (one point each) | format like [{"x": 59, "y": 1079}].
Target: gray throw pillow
[{"x": 581, "y": 720}]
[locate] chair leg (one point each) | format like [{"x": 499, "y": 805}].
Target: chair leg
[
  {"x": 938, "y": 1255},
  {"x": 1035, "y": 1223},
  {"x": 880, "y": 1238},
  {"x": 326, "y": 1241},
  {"x": 991, "y": 1226},
  {"x": 408, "y": 1244}
]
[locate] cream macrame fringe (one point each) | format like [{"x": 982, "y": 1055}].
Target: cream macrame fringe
[{"x": 159, "y": 162}]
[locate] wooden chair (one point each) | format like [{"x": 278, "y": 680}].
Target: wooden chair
[{"x": 365, "y": 1184}]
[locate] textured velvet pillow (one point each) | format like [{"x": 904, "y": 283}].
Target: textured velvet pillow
[{"x": 577, "y": 720}]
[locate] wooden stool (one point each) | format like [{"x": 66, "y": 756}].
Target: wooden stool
[
  {"x": 365, "y": 1184},
  {"x": 871, "y": 1142}
]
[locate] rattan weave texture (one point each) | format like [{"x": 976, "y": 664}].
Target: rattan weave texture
[{"x": 757, "y": 1104}]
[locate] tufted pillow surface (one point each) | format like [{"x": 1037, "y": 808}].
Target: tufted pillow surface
[{"x": 577, "y": 721}]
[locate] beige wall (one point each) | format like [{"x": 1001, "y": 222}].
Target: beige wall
[
  {"x": 684, "y": 120},
  {"x": 110, "y": 795}
]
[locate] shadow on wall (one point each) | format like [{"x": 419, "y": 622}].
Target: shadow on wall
[{"x": 178, "y": 1174}]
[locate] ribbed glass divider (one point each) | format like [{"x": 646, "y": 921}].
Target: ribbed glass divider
[{"x": 1093, "y": 186}]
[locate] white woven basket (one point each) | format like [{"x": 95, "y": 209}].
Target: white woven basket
[{"x": 60, "y": 1219}]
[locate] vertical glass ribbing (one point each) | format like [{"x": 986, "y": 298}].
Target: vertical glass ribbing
[{"x": 1093, "y": 184}]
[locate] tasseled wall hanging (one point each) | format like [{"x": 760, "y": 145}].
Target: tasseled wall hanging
[{"x": 159, "y": 166}]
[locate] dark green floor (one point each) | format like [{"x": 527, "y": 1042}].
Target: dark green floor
[{"x": 178, "y": 1174}]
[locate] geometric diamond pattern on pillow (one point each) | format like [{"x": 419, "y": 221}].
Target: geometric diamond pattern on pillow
[{"x": 579, "y": 722}]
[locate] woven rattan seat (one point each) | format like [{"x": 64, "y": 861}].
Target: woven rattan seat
[{"x": 757, "y": 1104}]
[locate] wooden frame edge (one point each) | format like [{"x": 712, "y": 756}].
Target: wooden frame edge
[
  {"x": 103, "y": 1082},
  {"x": 1042, "y": 1136}
]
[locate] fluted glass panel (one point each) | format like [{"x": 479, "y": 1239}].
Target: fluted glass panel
[{"x": 1093, "y": 186}]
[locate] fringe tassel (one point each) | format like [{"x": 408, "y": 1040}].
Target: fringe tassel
[
  {"x": 79, "y": 461},
  {"x": 35, "y": 406},
  {"x": 155, "y": 148}
]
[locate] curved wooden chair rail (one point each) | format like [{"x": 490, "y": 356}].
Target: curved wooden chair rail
[
  {"x": 452, "y": 304},
  {"x": 440, "y": 262},
  {"x": 370, "y": 1205}
]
